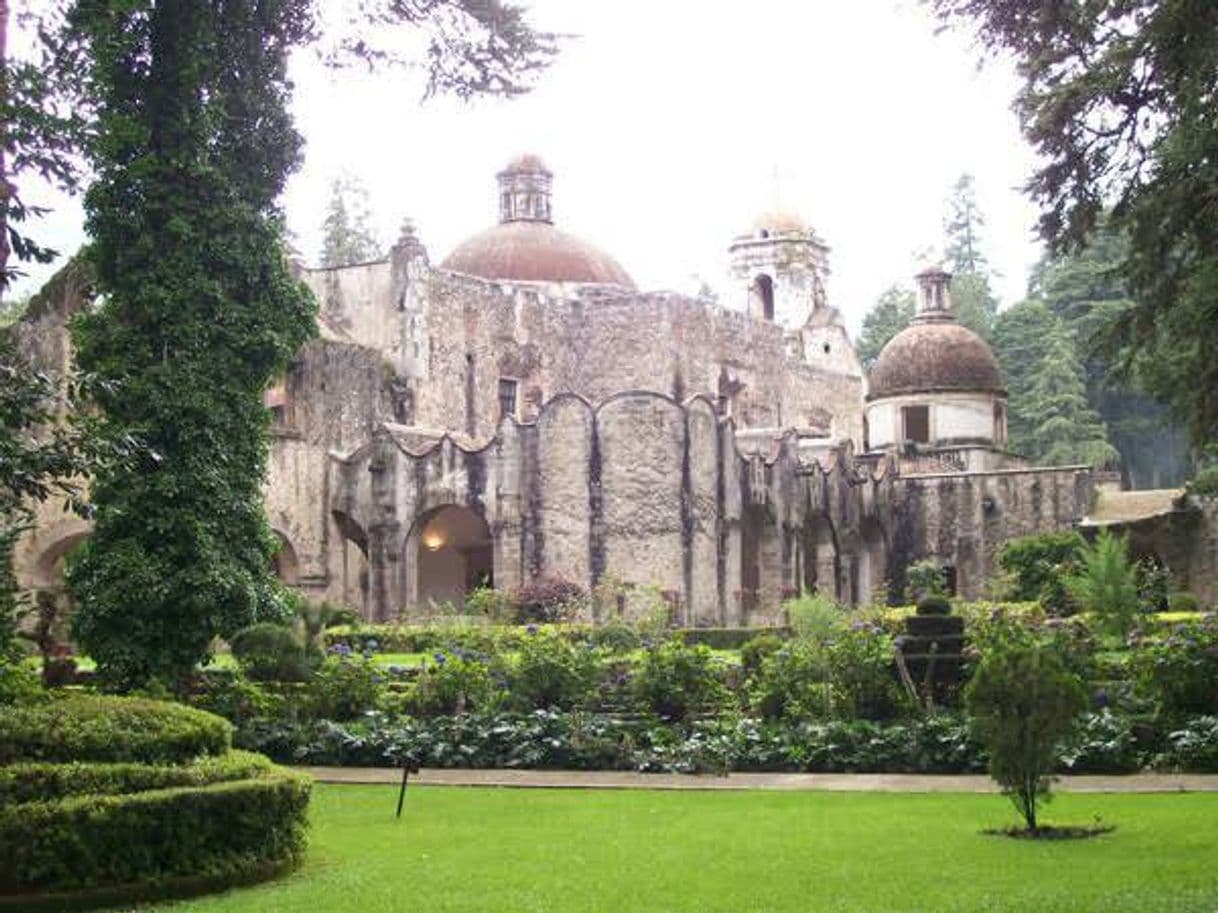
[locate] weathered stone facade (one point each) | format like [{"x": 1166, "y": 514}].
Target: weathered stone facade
[{"x": 453, "y": 428}]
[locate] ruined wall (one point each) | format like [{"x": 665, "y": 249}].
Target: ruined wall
[
  {"x": 551, "y": 340},
  {"x": 963, "y": 519}
]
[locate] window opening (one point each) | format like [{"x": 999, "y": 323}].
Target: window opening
[
  {"x": 507, "y": 397},
  {"x": 916, "y": 421}
]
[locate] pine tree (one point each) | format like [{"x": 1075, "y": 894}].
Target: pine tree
[
  {"x": 1066, "y": 429},
  {"x": 1021, "y": 337},
  {"x": 347, "y": 233},
  {"x": 972, "y": 298},
  {"x": 890, "y": 314}
]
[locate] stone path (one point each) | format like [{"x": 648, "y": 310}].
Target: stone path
[{"x": 903, "y": 783}]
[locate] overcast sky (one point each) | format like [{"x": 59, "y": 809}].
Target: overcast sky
[{"x": 670, "y": 125}]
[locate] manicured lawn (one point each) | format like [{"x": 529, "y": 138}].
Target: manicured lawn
[{"x": 494, "y": 851}]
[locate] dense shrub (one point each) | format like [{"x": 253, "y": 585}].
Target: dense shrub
[
  {"x": 1180, "y": 671},
  {"x": 1023, "y": 701},
  {"x": 91, "y": 728},
  {"x": 924, "y": 579},
  {"x": 546, "y": 600},
  {"x": 862, "y": 673},
  {"x": 224, "y": 830},
  {"x": 674, "y": 681},
  {"x": 934, "y": 605},
  {"x": 1039, "y": 564},
  {"x": 1183, "y": 602},
  {"x": 455, "y": 683},
  {"x": 725, "y": 638},
  {"x": 1102, "y": 742},
  {"x": 228, "y": 693},
  {"x": 755, "y": 650},
  {"x": 18, "y": 684},
  {"x": 791, "y": 683},
  {"x": 814, "y": 616},
  {"x": 550, "y": 671},
  {"x": 343, "y": 687},
  {"x": 272, "y": 653},
  {"x": 1193, "y": 747},
  {"x": 44, "y": 780}
]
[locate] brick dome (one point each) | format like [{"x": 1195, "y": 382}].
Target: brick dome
[
  {"x": 525, "y": 246},
  {"x": 933, "y": 356},
  {"x": 535, "y": 251}
]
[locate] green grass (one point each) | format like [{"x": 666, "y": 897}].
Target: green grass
[{"x": 480, "y": 850}]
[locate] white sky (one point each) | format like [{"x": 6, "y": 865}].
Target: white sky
[{"x": 666, "y": 123}]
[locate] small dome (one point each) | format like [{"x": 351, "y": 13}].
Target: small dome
[
  {"x": 528, "y": 251},
  {"x": 526, "y": 164},
  {"x": 935, "y": 356},
  {"x": 779, "y": 223}
]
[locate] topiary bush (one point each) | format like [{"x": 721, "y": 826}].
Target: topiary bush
[
  {"x": 273, "y": 653},
  {"x": 148, "y": 801},
  {"x": 110, "y": 729},
  {"x": 223, "y": 831},
  {"x": 934, "y": 605}
]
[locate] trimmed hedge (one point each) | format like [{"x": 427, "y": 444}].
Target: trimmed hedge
[
  {"x": 34, "y": 781},
  {"x": 224, "y": 830},
  {"x": 727, "y": 638},
  {"x": 110, "y": 729}
]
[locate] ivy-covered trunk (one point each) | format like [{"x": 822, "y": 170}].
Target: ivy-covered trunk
[{"x": 198, "y": 312}]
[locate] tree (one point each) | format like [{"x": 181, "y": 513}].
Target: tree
[
  {"x": 1023, "y": 701},
  {"x": 1021, "y": 338},
  {"x": 1107, "y": 583},
  {"x": 1117, "y": 100},
  {"x": 347, "y": 233},
  {"x": 191, "y": 143},
  {"x": 972, "y": 299},
  {"x": 1088, "y": 292},
  {"x": 891, "y": 313},
  {"x": 963, "y": 227},
  {"x": 1065, "y": 430}
]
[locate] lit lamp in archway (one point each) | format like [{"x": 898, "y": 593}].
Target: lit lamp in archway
[{"x": 433, "y": 539}]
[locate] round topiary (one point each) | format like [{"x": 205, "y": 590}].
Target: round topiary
[
  {"x": 934, "y": 605},
  {"x": 110, "y": 729}
]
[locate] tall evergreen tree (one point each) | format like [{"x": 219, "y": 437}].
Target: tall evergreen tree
[
  {"x": 1118, "y": 102},
  {"x": 972, "y": 299},
  {"x": 1065, "y": 428},
  {"x": 1021, "y": 341},
  {"x": 347, "y": 233},
  {"x": 890, "y": 314}
]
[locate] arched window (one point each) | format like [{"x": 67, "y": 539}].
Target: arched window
[{"x": 763, "y": 292}]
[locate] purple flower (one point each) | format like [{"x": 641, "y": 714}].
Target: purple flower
[
  {"x": 1101, "y": 697},
  {"x": 440, "y": 659},
  {"x": 531, "y": 629}
]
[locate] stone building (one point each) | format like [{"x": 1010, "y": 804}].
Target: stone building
[{"x": 522, "y": 410}]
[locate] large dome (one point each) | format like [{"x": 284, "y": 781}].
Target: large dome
[
  {"x": 932, "y": 356},
  {"x": 534, "y": 251},
  {"x": 525, "y": 246}
]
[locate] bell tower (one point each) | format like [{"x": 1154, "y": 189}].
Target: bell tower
[
  {"x": 524, "y": 191},
  {"x": 780, "y": 268}
]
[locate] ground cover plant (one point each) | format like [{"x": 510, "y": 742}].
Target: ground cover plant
[{"x": 458, "y": 850}]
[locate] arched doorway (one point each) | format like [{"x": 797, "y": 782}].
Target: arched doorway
[
  {"x": 285, "y": 563},
  {"x": 453, "y": 554}
]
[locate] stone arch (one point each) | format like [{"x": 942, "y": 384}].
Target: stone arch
[
  {"x": 821, "y": 571},
  {"x": 869, "y": 568},
  {"x": 47, "y": 568},
  {"x": 449, "y": 552},
  {"x": 763, "y": 295},
  {"x": 285, "y": 561}
]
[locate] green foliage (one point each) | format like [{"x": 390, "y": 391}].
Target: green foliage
[
  {"x": 223, "y": 830},
  {"x": 862, "y": 673},
  {"x": 891, "y": 313},
  {"x": 813, "y": 616},
  {"x": 1205, "y": 483},
  {"x": 343, "y": 687},
  {"x": 270, "y": 652},
  {"x": 934, "y": 605},
  {"x": 791, "y": 683},
  {"x": 1180, "y": 671},
  {"x": 754, "y": 652},
  {"x": 963, "y": 227},
  {"x": 110, "y": 729},
  {"x": 1040, "y": 565},
  {"x": 42, "y": 781},
  {"x": 1192, "y": 747},
  {"x": 1021, "y": 339},
  {"x": 1153, "y": 580},
  {"x": 1023, "y": 702},
  {"x": 1116, "y": 100},
  {"x": 1183, "y": 602},
  {"x": 674, "y": 681},
  {"x": 549, "y": 671},
  {"x": 725, "y": 638},
  {"x": 1106, "y": 583},
  {"x": 925, "y": 578},
  {"x": 456, "y": 683},
  {"x": 347, "y": 235},
  {"x": 546, "y": 600},
  {"x": 228, "y": 693},
  {"x": 199, "y": 313},
  {"x": 19, "y": 684}
]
